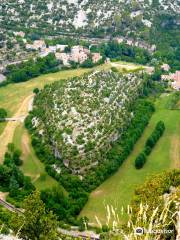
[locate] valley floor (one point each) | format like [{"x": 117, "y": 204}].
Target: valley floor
[{"x": 118, "y": 190}]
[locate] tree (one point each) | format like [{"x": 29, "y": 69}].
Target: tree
[
  {"x": 3, "y": 114},
  {"x": 140, "y": 161},
  {"x": 83, "y": 223},
  {"x": 13, "y": 187},
  {"x": 35, "y": 223},
  {"x": 36, "y": 90}
]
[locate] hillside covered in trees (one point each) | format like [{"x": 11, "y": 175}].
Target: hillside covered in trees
[
  {"x": 79, "y": 119},
  {"x": 133, "y": 18}
]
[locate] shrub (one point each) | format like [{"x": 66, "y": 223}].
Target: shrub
[
  {"x": 3, "y": 114},
  {"x": 156, "y": 134},
  {"x": 114, "y": 69},
  {"x": 140, "y": 161},
  {"x": 147, "y": 150},
  {"x": 36, "y": 90}
]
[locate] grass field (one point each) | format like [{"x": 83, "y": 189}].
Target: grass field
[
  {"x": 2, "y": 126},
  {"x": 118, "y": 190},
  {"x": 31, "y": 164}
]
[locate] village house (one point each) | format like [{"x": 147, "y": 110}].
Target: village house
[
  {"x": 37, "y": 45},
  {"x": 176, "y": 80},
  {"x": 64, "y": 57},
  {"x": 174, "y": 77},
  {"x": 52, "y": 49},
  {"x": 79, "y": 54},
  {"x": 165, "y": 67},
  {"x": 96, "y": 57},
  {"x": 20, "y": 34},
  {"x": 166, "y": 77},
  {"x": 44, "y": 52}
]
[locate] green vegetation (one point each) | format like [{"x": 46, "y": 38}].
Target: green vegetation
[
  {"x": 124, "y": 52},
  {"x": 156, "y": 134},
  {"x": 31, "y": 68},
  {"x": 17, "y": 93},
  {"x": 174, "y": 101},
  {"x": 155, "y": 207},
  {"x": 68, "y": 181},
  {"x": 169, "y": 51},
  {"x": 3, "y": 114},
  {"x": 140, "y": 160},
  {"x": 2, "y": 126},
  {"x": 150, "y": 143},
  {"x": 12, "y": 178},
  {"x": 35, "y": 223},
  {"x": 31, "y": 164},
  {"x": 113, "y": 159},
  {"x": 119, "y": 189},
  {"x": 89, "y": 114}
]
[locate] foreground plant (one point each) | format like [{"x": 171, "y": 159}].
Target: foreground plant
[
  {"x": 35, "y": 222},
  {"x": 155, "y": 217}
]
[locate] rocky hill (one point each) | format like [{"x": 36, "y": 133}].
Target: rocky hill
[
  {"x": 129, "y": 18},
  {"x": 81, "y": 118}
]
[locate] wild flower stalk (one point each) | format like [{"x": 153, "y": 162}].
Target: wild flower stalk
[{"x": 155, "y": 222}]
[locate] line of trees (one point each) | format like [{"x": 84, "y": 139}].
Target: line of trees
[
  {"x": 150, "y": 143},
  {"x": 32, "y": 68}
]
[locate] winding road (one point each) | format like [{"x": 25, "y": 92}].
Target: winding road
[{"x": 8, "y": 133}]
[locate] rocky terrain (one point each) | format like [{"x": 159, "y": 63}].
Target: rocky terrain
[
  {"x": 87, "y": 16},
  {"x": 84, "y": 115}
]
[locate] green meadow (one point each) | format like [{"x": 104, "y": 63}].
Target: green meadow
[{"x": 118, "y": 190}]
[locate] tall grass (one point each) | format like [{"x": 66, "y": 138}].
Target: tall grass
[{"x": 155, "y": 224}]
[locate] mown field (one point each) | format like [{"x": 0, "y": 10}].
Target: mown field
[
  {"x": 31, "y": 165},
  {"x": 118, "y": 190}
]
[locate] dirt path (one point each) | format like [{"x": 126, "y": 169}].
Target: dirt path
[
  {"x": 175, "y": 152},
  {"x": 8, "y": 133}
]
